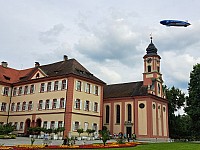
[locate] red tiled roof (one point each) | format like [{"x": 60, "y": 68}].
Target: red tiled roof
[{"x": 10, "y": 75}]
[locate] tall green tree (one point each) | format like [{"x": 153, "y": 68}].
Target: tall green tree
[
  {"x": 193, "y": 102},
  {"x": 176, "y": 99}
]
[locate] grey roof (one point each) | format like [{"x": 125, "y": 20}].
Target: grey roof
[{"x": 125, "y": 90}]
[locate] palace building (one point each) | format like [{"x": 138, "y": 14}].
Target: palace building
[{"x": 66, "y": 94}]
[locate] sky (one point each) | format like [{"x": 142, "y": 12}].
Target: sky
[{"x": 108, "y": 37}]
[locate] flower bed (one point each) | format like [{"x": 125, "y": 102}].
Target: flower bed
[{"x": 87, "y": 146}]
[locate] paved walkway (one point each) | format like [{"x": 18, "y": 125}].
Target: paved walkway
[{"x": 26, "y": 140}]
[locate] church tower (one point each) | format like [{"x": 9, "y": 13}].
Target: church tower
[{"x": 152, "y": 76}]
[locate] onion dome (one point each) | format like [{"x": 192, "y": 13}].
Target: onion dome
[{"x": 151, "y": 49}]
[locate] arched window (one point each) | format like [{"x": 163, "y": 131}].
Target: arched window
[
  {"x": 118, "y": 114},
  {"x": 107, "y": 114},
  {"x": 149, "y": 68},
  {"x": 158, "y": 88},
  {"x": 129, "y": 112}
]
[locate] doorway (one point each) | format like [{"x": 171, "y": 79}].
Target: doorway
[{"x": 129, "y": 131}]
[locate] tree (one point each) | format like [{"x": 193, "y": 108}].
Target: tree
[
  {"x": 193, "y": 101},
  {"x": 104, "y": 135},
  {"x": 176, "y": 99},
  {"x": 80, "y": 131}
]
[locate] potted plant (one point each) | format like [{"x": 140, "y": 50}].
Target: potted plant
[
  {"x": 55, "y": 136},
  {"x": 89, "y": 131},
  {"x": 79, "y": 132}
]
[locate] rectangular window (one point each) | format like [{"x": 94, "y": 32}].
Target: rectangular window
[
  {"x": 3, "y": 106},
  {"x": 20, "y": 91},
  {"x": 95, "y": 127},
  {"x": 47, "y": 104},
  {"x": 52, "y": 125},
  {"x": 18, "y": 106},
  {"x": 32, "y": 89},
  {"x": 15, "y": 125},
  {"x": 76, "y": 126},
  {"x": 25, "y": 90},
  {"x": 45, "y": 124},
  {"x": 56, "y": 86},
  {"x": 40, "y": 104},
  {"x": 6, "y": 90},
  {"x": 48, "y": 86},
  {"x": 63, "y": 84},
  {"x": 87, "y": 88},
  {"x": 15, "y": 91},
  {"x": 24, "y": 106},
  {"x": 54, "y": 103},
  {"x": 96, "y": 90},
  {"x": 95, "y": 106},
  {"x": 21, "y": 125},
  {"x": 77, "y": 103},
  {"x": 30, "y": 105},
  {"x": 42, "y": 87},
  {"x": 62, "y": 103},
  {"x": 78, "y": 85},
  {"x": 87, "y": 105},
  {"x": 60, "y": 124},
  {"x": 86, "y": 125},
  {"x": 12, "y": 107}
]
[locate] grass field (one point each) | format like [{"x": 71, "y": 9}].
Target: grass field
[{"x": 164, "y": 146}]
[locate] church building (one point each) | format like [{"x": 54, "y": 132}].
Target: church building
[{"x": 139, "y": 107}]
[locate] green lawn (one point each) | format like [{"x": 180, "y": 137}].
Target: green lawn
[{"x": 163, "y": 146}]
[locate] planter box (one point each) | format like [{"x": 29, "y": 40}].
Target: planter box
[{"x": 79, "y": 138}]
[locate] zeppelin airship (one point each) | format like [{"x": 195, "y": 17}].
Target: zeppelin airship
[{"x": 175, "y": 23}]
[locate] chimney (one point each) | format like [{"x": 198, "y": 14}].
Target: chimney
[
  {"x": 65, "y": 58},
  {"x": 37, "y": 64},
  {"x": 4, "y": 64}
]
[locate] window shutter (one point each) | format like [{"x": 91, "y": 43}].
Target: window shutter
[
  {"x": 62, "y": 123},
  {"x": 99, "y": 89},
  {"x": 94, "y": 89},
  {"x": 97, "y": 127},
  {"x": 56, "y": 124},
  {"x": 90, "y": 107},
  {"x": 17, "y": 126},
  {"x": 28, "y": 90},
  {"x": 32, "y": 105},
  {"x": 93, "y": 106},
  {"x": 45, "y": 87},
  {"x": 98, "y": 108},
  {"x": 39, "y": 85},
  {"x": 48, "y": 124},
  {"x": 43, "y": 104},
  {"x": 82, "y": 86},
  {"x": 90, "y": 88},
  {"x": 66, "y": 84},
  {"x": 80, "y": 104},
  {"x": 64, "y": 103},
  {"x": 85, "y": 87},
  {"x": 73, "y": 126},
  {"x": 14, "y": 108},
  {"x": 50, "y": 104},
  {"x": 84, "y": 105},
  {"x": 52, "y": 86},
  {"x": 59, "y": 85},
  {"x": 9, "y": 91},
  {"x": 76, "y": 85},
  {"x": 26, "y": 107},
  {"x": 22, "y": 90},
  {"x": 79, "y": 125},
  {"x": 38, "y": 105},
  {"x": 7, "y": 107},
  {"x": 34, "y": 87},
  {"x": 2, "y": 91},
  {"x": 75, "y": 103},
  {"x": 20, "y": 107},
  {"x": 58, "y": 103}
]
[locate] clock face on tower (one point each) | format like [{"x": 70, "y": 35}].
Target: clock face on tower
[{"x": 149, "y": 60}]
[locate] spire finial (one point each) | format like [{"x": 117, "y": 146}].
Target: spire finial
[{"x": 151, "y": 37}]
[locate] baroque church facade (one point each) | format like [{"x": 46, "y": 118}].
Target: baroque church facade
[{"x": 66, "y": 94}]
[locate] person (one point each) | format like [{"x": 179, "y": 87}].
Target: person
[{"x": 128, "y": 138}]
